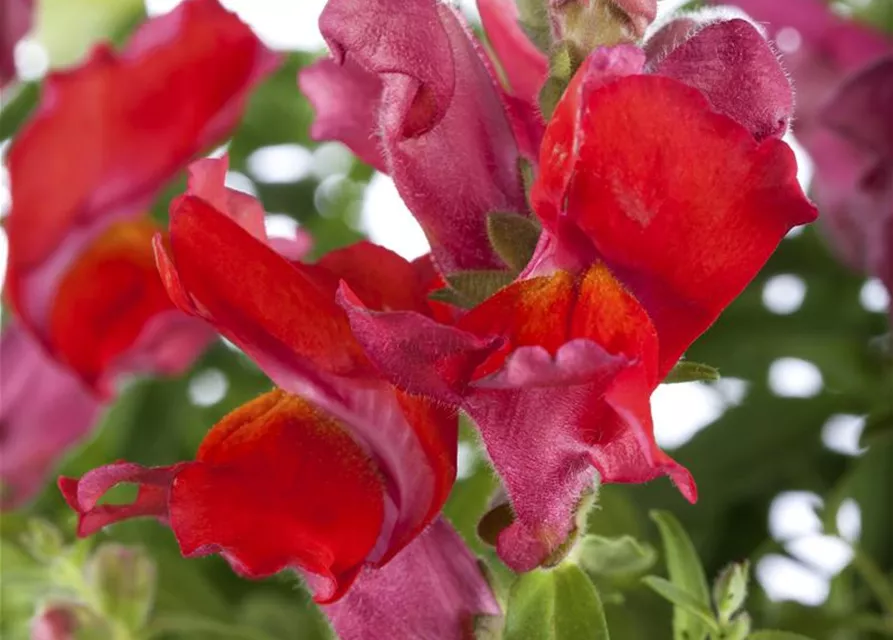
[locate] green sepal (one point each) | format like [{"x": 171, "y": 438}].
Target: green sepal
[
  {"x": 686, "y": 574},
  {"x": 513, "y": 237},
  {"x": 738, "y": 628},
  {"x": 468, "y": 289},
  {"x": 776, "y": 635},
  {"x": 687, "y": 371},
  {"x": 730, "y": 590},
  {"x": 561, "y": 604},
  {"x": 550, "y": 94}
]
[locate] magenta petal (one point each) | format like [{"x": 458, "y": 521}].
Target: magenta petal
[
  {"x": 534, "y": 436},
  {"x": 45, "y": 410},
  {"x": 432, "y": 589},
  {"x": 734, "y": 66},
  {"x": 346, "y": 99},
  {"x": 862, "y": 109},
  {"x": 445, "y": 136},
  {"x": 83, "y": 495},
  {"x": 525, "y": 66},
  {"x": 17, "y": 18},
  {"x": 416, "y": 353}
]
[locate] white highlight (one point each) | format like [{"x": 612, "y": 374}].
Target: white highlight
[
  {"x": 387, "y": 221},
  {"x": 849, "y": 520},
  {"x": 794, "y": 378},
  {"x": 788, "y": 40},
  {"x": 805, "y": 170},
  {"x": 829, "y": 555},
  {"x": 466, "y": 460},
  {"x": 281, "y": 163},
  {"x": 786, "y": 579},
  {"x": 280, "y": 225},
  {"x": 240, "y": 182},
  {"x": 784, "y": 294},
  {"x": 682, "y": 410},
  {"x": 31, "y": 59},
  {"x": 331, "y": 159},
  {"x": 841, "y": 433},
  {"x": 793, "y": 514},
  {"x": 874, "y": 296},
  {"x": 208, "y": 387}
]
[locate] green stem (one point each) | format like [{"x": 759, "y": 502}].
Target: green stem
[{"x": 875, "y": 579}]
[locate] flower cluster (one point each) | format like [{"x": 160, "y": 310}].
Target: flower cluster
[{"x": 590, "y": 214}]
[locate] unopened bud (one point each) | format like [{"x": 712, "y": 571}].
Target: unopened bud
[
  {"x": 43, "y": 540},
  {"x": 69, "y": 621},
  {"x": 124, "y": 579},
  {"x": 588, "y": 24}
]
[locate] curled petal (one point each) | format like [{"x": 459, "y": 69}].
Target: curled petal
[
  {"x": 674, "y": 236},
  {"x": 45, "y": 410},
  {"x": 416, "y": 352},
  {"x": 346, "y": 99},
  {"x": 433, "y": 589},
  {"x": 733, "y": 65},
  {"x": 445, "y": 137}
]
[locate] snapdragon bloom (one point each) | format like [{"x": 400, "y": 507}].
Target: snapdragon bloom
[
  {"x": 658, "y": 207},
  {"x": 82, "y": 281},
  {"x": 336, "y": 474}
]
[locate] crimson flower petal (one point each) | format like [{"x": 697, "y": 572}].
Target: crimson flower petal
[
  {"x": 45, "y": 410},
  {"x": 674, "y": 236},
  {"x": 346, "y": 99},
  {"x": 525, "y": 66},
  {"x": 18, "y": 16},
  {"x": 433, "y": 589},
  {"x": 445, "y": 137},
  {"x": 736, "y": 69}
]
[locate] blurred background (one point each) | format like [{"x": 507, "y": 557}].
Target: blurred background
[{"x": 792, "y": 449}]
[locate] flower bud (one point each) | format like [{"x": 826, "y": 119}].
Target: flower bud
[
  {"x": 69, "y": 621},
  {"x": 124, "y": 579},
  {"x": 588, "y": 24}
]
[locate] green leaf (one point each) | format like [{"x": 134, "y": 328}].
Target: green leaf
[
  {"x": 15, "y": 110},
  {"x": 623, "y": 557},
  {"x": 687, "y": 371},
  {"x": 513, "y": 237},
  {"x": 730, "y": 590},
  {"x": 776, "y": 635},
  {"x": 474, "y": 287},
  {"x": 561, "y": 604},
  {"x": 686, "y": 573},
  {"x": 682, "y": 601}
]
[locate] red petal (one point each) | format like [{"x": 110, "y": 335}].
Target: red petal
[
  {"x": 278, "y": 483},
  {"x": 445, "y": 136},
  {"x": 685, "y": 242},
  {"x": 199, "y": 57},
  {"x": 245, "y": 288},
  {"x": 433, "y": 589}
]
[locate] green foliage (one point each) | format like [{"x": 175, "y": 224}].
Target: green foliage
[{"x": 559, "y": 604}]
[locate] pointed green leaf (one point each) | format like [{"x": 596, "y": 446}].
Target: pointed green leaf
[
  {"x": 513, "y": 238},
  {"x": 686, "y": 371},
  {"x": 682, "y": 600},
  {"x": 623, "y": 557},
  {"x": 561, "y": 604},
  {"x": 730, "y": 590},
  {"x": 476, "y": 286},
  {"x": 686, "y": 573},
  {"x": 776, "y": 635}
]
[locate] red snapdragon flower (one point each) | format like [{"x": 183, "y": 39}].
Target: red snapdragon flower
[
  {"x": 415, "y": 94},
  {"x": 336, "y": 474},
  {"x": 843, "y": 72},
  {"x": 82, "y": 280},
  {"x": 658, "y": 209}
]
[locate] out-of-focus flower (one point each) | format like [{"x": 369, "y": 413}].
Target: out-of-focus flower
[
  {"x": 337, "y": 474},
  {"x": 423, "y": 103},
  {"x": 843, "y": 73},
  {"x": 82, "y": 282},
  {"x": 642, "y": 249},
  {"x": 18, "y": 15}
]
